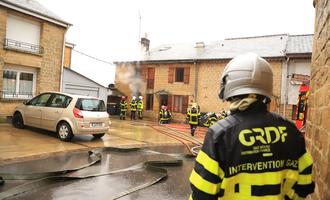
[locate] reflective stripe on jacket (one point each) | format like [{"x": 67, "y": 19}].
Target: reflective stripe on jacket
[
  {"x": 193, "y": 117},
  {"x": 252, "y": 155},
  {"x": 140, "y": 105},
  {"x": 123, "y": 106},
  {"x": 133, "y": 105},
  {"x": 164, "y": 115}
]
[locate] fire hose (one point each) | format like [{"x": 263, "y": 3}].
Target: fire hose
[{"x": 37, "y": 180}]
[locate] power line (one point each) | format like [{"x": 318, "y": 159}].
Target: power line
[{"x": 92, "y": 57}]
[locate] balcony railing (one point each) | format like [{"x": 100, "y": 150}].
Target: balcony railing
[
  {"x": 16, "y": 95},
  {"x": 23, "y": 46}
]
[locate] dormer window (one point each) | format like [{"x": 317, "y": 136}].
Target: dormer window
[{"x": 23, "y": 35}]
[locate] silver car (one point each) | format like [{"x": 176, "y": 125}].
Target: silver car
[{"x": 65, "y": 114}]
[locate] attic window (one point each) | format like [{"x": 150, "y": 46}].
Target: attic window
[
  {"x": 200, "y": 45},
  {"x": 164, "y": 48}
]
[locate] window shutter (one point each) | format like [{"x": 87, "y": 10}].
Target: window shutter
[
  {"x": 170, "y": 74},
  {"x": 150, "y": 78},
  {"x": 185, "y": 104},
  {"x": 169, "y": 102},
  {"x": 151, "y": 73},
  {"x": 144, "y": 73},
  {"x": 186, "y": 75}
]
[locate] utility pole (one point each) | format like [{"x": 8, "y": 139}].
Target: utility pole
[{"x": 139, "y": 38}]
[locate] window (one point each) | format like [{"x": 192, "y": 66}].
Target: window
[
  {"x": 90, "y": 105},
  {"x": 18, "y": 83},
  {"x": 22, "y": 34},
  {"x": 60, "y": 101},
  {"x": 40, "y": 100},
  {"x": 150, "y": 102},
  {"x": 180, "y": 104},
  {"x": 179, "y": 74}
]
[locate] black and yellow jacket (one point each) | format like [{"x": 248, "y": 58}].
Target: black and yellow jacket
[
  {"x": 123, "y": 106},
  {"x": 252, "y": 155},
  {"x": 133, "y": 105}
]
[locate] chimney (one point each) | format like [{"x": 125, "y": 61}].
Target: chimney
[
  {"x": 200, "y": 45},
  {"x": 145, "y": 43}
]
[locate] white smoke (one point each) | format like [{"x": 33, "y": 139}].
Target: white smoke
[{"x": 132, "y": 78}]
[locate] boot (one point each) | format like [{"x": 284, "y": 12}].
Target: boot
[{"x": 192, "y": 131}]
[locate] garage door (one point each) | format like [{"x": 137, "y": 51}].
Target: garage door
[{"x": 81, "y": 90}]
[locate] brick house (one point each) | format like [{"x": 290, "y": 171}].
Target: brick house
[
  {"x": 178, "y": 74},
  {"x": 32, "y": 42}
]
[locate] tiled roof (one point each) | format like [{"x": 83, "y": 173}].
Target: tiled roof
[
  {"x": 299, "y": 44},
  {"x": 269, "y": 46},
  {"x": 34, "y": 7}
]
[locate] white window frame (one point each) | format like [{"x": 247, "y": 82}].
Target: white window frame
[{"x": 20, "y": 70}]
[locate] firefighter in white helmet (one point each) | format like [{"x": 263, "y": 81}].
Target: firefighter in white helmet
[
  {"x": 252, "y": 153},
  {"x": 133, "y": 106},
  {"x": 140, "y": 106}
]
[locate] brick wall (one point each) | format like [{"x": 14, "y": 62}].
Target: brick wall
[
  {"x": 318, "y": 119},
  {"x": 47, "y": 65}
]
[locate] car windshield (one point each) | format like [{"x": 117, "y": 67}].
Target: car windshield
[{"x": 90, "y": 105}]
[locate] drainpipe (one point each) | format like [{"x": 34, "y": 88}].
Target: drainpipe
[
  {"x": 62, "y": 63},
  {"x": 286, "y": 85},
  {"x": 196, "y": 81}
]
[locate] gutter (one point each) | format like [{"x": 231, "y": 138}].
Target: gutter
[
  {"x": 196, "y": 81},
  {"x": 286, "y": 85},
  {"x": 191, "y": 61}
]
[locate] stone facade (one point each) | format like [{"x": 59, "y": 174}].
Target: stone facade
[
  {"x": 318, "y": 120},
  {"x": 203, "y": 86},
  {"x": 47, "y": 65}
]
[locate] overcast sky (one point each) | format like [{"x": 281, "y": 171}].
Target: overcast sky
[{"x": 109, "y": 29}]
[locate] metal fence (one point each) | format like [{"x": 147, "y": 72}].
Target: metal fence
[
  {"x": 16, "y": 95},
  {"x": 23, "y": 46}
]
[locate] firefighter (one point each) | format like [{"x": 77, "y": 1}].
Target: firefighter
[
  {"x": 223, "y": 114},
  {"x": 123, "y": 108},
  {"x": 301, "y": 111},
  {"x": 193, "y": 118},
  {"x": 140, "y": 107},
  {"x": 133, "y": 106},
  {"x": 211, "y": 119},
  {"x": 252, "y": 153},
  {"x": 164, "y": 115}
]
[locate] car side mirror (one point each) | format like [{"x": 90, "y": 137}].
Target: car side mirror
[{"x": 25, "y": 102}]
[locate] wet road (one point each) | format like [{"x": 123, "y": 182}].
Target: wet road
[
  {"x": 36, "y": 151},
  {"x": 31, "y": 143},
  {"x": 175, "y": 186}
]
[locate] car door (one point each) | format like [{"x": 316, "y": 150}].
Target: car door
[
  {"x": 32, "y": 113},
  {"x": 53, "y": 111}
]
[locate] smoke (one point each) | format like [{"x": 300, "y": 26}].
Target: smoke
[{"x": 132, "y": 78}]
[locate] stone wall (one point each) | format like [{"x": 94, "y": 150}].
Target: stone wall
[
  {"x": 318, "y": 119},
  {"x": 203, "y": 87}
]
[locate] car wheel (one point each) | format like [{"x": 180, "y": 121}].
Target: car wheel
[
  {"x": 98, "y": 136},
  {"x": 18, "y": 121},
  {"x": 64, "y": 132}
]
